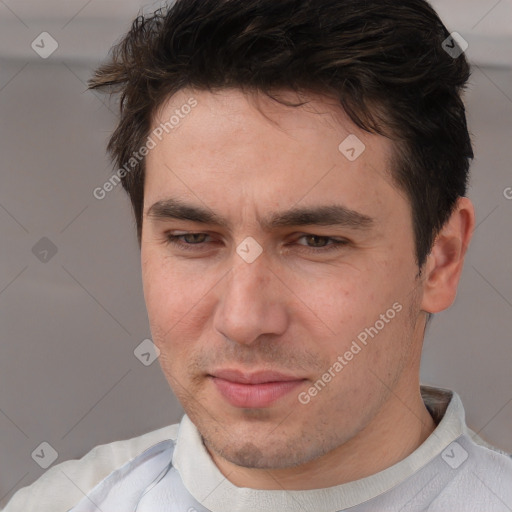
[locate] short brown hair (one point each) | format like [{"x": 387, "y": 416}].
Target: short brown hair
[{"x": 382, "y": 60}]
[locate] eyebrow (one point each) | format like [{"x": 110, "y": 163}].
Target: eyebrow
[{"x": 326, "y": 215}]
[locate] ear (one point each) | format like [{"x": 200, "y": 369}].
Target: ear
[{"x": 444, "y": 264}]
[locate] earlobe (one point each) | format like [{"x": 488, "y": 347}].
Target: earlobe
[{"x": 444, "y": 264}]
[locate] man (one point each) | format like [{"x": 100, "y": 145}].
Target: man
[{"x": 298, "y": 172}]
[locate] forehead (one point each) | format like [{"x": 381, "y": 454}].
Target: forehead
[
  {"x": 229, "y": 147},
  {"x": 318, "y": 123}
]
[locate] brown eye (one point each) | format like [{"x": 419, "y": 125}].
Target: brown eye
[
  {"x": 318, "y": 243},
  {"x": 186, "y": 241}
]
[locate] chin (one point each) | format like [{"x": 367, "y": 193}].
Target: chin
[
  {"x": 261, "y": 446},
  {"x": 266, "y": 456}
]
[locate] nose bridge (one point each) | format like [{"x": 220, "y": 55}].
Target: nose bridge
[
  {"x": 248, "y": 285},
  {"x": 249, "y": 305}
]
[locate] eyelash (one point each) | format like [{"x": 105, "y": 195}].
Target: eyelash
[{"x": 338, "y": 244}]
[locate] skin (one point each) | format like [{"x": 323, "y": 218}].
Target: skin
[{"x": 292, "y": 310}]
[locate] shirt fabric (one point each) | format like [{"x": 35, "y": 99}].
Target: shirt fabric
[{"x": 453, "y": 470}]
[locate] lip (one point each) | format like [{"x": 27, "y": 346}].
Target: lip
[
  {"x": 254, "y": 390},
  {"x": 258, "y": 377}
]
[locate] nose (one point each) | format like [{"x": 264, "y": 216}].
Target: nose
[{"x": 252, "y": 302}]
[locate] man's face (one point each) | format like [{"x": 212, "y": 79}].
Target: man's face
[{"x": 249, "y": 341}]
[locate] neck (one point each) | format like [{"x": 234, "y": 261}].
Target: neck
[{"x": 397, "y": 430}]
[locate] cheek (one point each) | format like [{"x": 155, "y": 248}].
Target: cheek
[
  {"x": 364, "y": 306},
  {"x": 177, "y": 301},
  {"x": 344, "y": 302},
  {"x": 168, "y": 290}
]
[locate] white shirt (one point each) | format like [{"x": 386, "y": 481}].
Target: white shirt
[{"x": 170, "y": 469}]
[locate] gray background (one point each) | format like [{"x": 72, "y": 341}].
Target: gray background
[{"x": 69, "y": 326}]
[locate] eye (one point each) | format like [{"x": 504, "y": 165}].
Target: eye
[
  {"x": 190, "y": 240},
  {"x": 197, "y": 241},
  {"x": 319, "y": 245}
]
